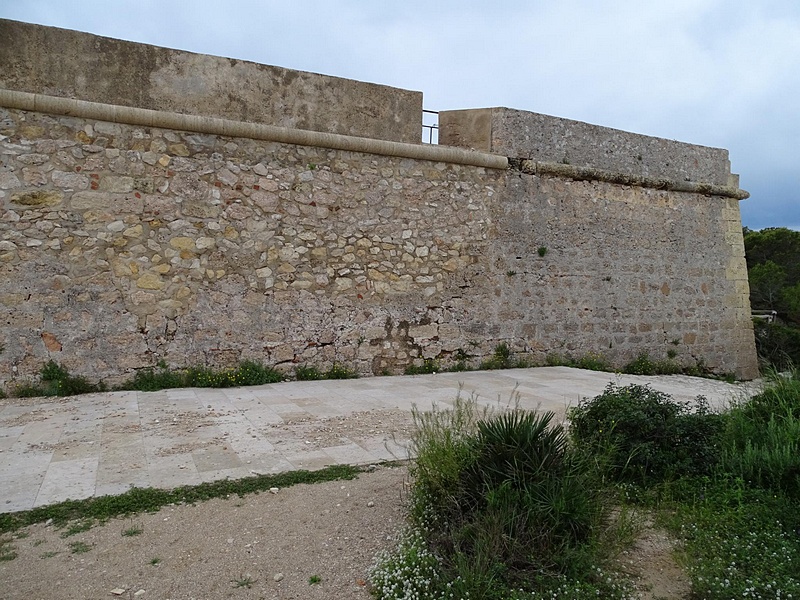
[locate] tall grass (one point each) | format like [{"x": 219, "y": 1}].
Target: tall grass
[{"x": 762, "y": 437}]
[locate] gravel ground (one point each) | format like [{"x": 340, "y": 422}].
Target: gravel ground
[
  {"x": 263, "y": 546},
  {"x": 276, "y": 543}
]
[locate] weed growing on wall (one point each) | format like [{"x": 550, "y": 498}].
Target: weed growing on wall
[
  {"x": 428, "y": 366},
  {"x": 54, "y": 380},
  {"x": 247, "y": 373},
  {"x": 308, "y": 373}
]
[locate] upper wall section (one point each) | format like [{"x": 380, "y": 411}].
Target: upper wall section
[
  {"x": 60, "y": 62},
  {"x": 521, "y": 134}
]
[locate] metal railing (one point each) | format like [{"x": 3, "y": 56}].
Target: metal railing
[{"x": 430, "y": 126}]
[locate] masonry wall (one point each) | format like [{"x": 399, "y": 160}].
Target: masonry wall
[{"x": 123, "y": 246}]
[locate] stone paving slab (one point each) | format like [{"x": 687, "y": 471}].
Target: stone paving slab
[{"x": 53, "y": 449}]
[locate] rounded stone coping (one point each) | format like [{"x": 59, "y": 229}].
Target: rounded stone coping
[
  {"x": 532, "y": 167},
  {"x": 168, "y": 120}
]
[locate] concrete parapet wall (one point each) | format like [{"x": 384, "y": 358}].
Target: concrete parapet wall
[
  {"x": 70, "y": 64},
  {"x": 522, "y": 134}
]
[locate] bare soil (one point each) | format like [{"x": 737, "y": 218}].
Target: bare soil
[
  {"x": 260, "y": 546},
  {"x": 263, "y": 546}
]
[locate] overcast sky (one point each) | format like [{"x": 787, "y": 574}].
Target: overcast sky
[{"x": 722, "y": 73}]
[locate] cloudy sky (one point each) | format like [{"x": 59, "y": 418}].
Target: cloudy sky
[{"x": 722, "y": 73}]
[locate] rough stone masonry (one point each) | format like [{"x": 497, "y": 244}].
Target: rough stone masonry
[{"x": 122, "y": 244}]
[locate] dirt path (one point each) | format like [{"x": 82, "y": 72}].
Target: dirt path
[
  {"x": 214, "y": 549},
  {"x": 266, "y": 546}
]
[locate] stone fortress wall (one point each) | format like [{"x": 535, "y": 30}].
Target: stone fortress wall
[{"x": 249, "y": 227}]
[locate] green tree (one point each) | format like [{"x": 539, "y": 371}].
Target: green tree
[
  {"x": 777, "y": 244},
  {"x": 791, "y": 300},
  {"x": 767, "y": 284},
  {"x": 773, "y": 263}
]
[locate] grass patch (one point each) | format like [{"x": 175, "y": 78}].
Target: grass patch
[
  {"x": 49, "y": 554},
  {"x": 155, "y": 561},
  {"x": 150, "y": 499},
  {"x": 77, "y": 527},
  {"x": 244, "y": 581},
  {"x": 7, "y": 550},
  {"x": 132, "y": 531},
  {"x": 314, "y": 579},
  {"x": 79, "y": 547}
]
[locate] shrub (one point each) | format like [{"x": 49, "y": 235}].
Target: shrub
[
  {"x": 338, "y": 371},
  {"x": 593, "y": 362},
  {"x": 557, "y": 360},
  {"x": 504, "y": 503},
  {"x": 427, "y": 367},
  {"x": 247, "y": 373},
  {"x": 150, "y": 380},
  {"x": 56, "y": 381},
  {"x": 647, "y": 436},
  {"x": 641, "y": 365},
  {"x": 304, "y": 373},
  {"x": 252, "y": 373},
  {"x": 500, "y": 359},
  {"x": 503, "y": 358},
  {"x": 27, "y": 390}
]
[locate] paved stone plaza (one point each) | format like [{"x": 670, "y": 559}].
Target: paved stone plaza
[{"x": 53, "y": 449}]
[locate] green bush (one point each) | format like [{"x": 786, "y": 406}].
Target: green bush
[
  {"x": 503, "y": 501},
  {"x": 247, "y": 373},
  {"x": 427, "y": 367},
  {"x": 308, "y": 373},
  {"x": 647, "y": 436},
  {"x": 500, "y": 359},
  {"x": 338, "y": 371},
  {"x": 55, "y": 380},
  {"x": 593, "y": 362},
  {"x": 28, "y": 390},
  {"x": 150, "y": 380},
  {"x": 641, "y": 365}
]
